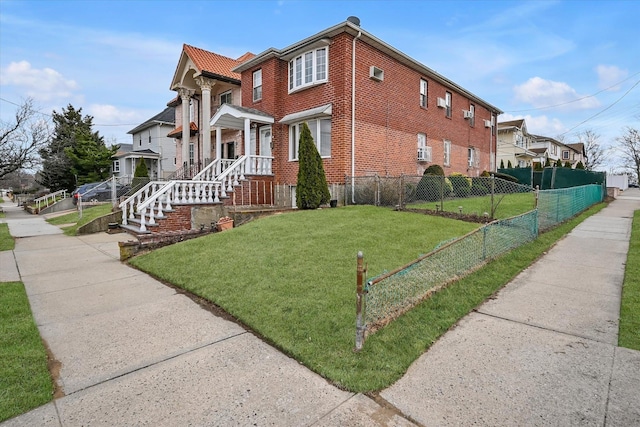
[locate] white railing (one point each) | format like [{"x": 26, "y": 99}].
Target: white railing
[
  {"x": 128, "y": 206},
  {"x": 50, "y": 197},
  {"x": 259, "y": 165},
  {"x": 188, "y": 192}
]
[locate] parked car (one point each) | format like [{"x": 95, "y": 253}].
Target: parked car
[
  {"x": 102, "y": 193},
  {"x": 82, "y": 190}
]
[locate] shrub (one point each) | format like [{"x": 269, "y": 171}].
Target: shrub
[
  {"x": 433, "y": 188},
  {"x": 506, "y": 177},
  {"x": 478, "y": 188},
  {"x": 509, "y": 165},
  {"x": 460, "y": 184},
  {"x": 501, "y": 163},
  {"x": 580, "y": 165},
  {"x": 312, "y": 189},
  {"x": 434, "y": 170},
  {"x": 558, "y": 163},
  {"x": 567, "y": 164}
]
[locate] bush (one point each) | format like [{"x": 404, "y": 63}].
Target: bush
[
  {"x": 434, "y": 170},
  {"x": 433, "y": 188},
  {"x": 478, "y": 189},
  {"x": 460, "y": 184},
  {"x": 506, "y": 177},
  {"x": 312, "y": 189}
]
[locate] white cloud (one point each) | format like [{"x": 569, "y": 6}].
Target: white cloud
[
  {"x": 609, "y": 76},
  {"x": 542, "y": 93},
  {"x": 41, "y": 84},
  {"x": 105, "y": 114}
]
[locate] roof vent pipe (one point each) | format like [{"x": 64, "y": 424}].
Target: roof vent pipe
[{"x": 354, "y": 20}]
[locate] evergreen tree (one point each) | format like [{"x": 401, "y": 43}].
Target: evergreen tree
[
  {"x": 558, "y": 163},
  {"x": 509, "y": 165},
  {"x": 311, "y": 190},
  {"x": 567, "y": 164},
  {"x": 141, "y": 169},
  {"x": 90, "y": 158},
  {"x": 56, "y": 165},
  {"x": 501, "y": 163},
  {"x": 579, "y": 165},
  {"x": 547, "y": 163}
]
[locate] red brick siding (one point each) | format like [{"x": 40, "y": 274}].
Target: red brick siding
[
  {"x": 388, "y": 116},
  {"x": 179, "y": 219}
]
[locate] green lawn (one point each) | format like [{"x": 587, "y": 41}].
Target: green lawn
[
  {"x": 88, "y": 215},
  {"x": 629, "y": 332},
  {"x": 507, "y": 205},
  {"x": 6, "y": 240},
  {"x": 291, "y": 278},
  {"x": 25, "y": 382}
]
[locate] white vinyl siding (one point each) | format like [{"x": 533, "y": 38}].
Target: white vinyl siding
[{"x": 308, "y": 69}]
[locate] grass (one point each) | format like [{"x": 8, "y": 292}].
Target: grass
[
  {"x": 629, "y": 329},
  {"x": 291, "y": 278},
  {"x": 508, "y": 205},
  {"x": 88, "y": 215},
  {"x": 6, "y": 240},
  {"x": 25, "y": 382}
]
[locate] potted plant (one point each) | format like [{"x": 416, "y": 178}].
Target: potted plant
[{"x": 224, "y": 223}]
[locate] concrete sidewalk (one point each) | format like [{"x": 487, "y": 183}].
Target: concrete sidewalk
[
  {"x": 544, "y": 351},
  {"x": 132, "y": 351}
]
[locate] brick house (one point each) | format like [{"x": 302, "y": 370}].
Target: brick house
[{"x": 371, "y": 110}]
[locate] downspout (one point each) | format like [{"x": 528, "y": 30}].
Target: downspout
[{"x": 353, "y": 118}]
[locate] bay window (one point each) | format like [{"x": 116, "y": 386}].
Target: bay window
[{"x": 308, "y": 69}]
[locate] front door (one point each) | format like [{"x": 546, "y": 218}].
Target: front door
[{"x": 265, "y": 141}]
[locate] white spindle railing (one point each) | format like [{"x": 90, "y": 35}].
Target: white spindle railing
[
  {"x": 51, "y": 196},
  {"x": 128, "y": 206}
]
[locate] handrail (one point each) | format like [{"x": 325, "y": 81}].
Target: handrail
[{"x": 51, "y": 196}]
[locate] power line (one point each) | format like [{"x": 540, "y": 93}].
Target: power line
[{"x": 575, "y": 100}]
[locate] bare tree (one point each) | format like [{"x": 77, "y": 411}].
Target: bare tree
[
  {"x": 630, "y": 148},
  {"x": 593, "y": 150},
  {"x": 21, "y": 139}
]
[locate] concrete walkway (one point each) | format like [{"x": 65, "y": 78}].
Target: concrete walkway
[{"x": 133, "y": 351}]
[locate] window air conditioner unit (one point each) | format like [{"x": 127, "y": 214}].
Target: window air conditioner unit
[
  {"x": 442, "y": 103},
  {"x": 467, "y": 114},
  {"x": 424, "y": 154},
  {"x": 487, "y": 123},
  {"x": 376, "y": 73}
]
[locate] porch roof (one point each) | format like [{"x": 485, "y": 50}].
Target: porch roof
[
  {"x": 233, "y": 116},
  {"x": 322, "y": 111},
  {"x": 145, "y": 154}
]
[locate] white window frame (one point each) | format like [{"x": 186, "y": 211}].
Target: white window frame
[
  {"x": 192, "y": 110},
  {"x": 257, "y": 85},
  {"x": 447, "y": 152},
  {"x": 424, "y": 152},
  {"x": 309, "y": 69},
  {"x": 228, "y": 94},
  {"x": 116, "y": 166},
  {"x": 321, "y": 143},
  {"x": 472, "y": 111},
  {"x": 448, "y": 100},
  {"x": 192, "y": 154},
  {"x": 473, "y": 157},
  {"x": 424, "y": 90}
]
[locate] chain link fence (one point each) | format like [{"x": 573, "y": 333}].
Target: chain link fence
[
  {"x": 457, "y": 194},
  {"x": 386, "y": 297}
]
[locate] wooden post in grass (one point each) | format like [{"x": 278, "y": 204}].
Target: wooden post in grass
[{"x": 360, "y": 328}]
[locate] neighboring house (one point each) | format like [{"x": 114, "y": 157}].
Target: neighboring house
[
  {"x": 204, "y": 81},
  {"x": 150, "y": 142},
  {"x": 574, "y": 153},
  {"x": 513, "y": 144},
  {"x": 548, "y": 148}
]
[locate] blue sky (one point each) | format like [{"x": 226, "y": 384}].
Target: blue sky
[{"x": 556, "y": 63}]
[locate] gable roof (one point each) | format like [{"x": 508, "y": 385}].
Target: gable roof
[
  {"x": 511, "y": 123},
  {"x": 214, "y": 63},
  {"x": 166, "y": 117},
  {"x": 578, "y": 147},
  {"x": 355, "y": 30}
]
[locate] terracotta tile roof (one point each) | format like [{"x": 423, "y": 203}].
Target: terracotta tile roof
[
  {"x": 215, "y": 63},
  {"x": 177, "y": 132}
]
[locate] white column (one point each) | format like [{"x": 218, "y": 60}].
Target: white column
[
  {"x": 185, "y": 95},
  {"x": 206, "y": 85},
  {"x": 247, "y": 143},
  {"x": 218, "y": 149}
]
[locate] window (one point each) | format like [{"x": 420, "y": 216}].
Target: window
[
  {"x": 116, "y": 166},
  {"x": 447, "y": 152},
  {"x": 192, "y": 110},
  {"x": 308, "y": 69},
  {"x": 191, "y": 153},
  {"x": 149, "y": 138},
  {"x": 447, "y": 101},
  {"x": 225, "y": 97},
  {"x": 257, "y": 85},
  {"x": 423, "y": 93},
  {"x": 140, "y": 140},
  {"x": 472, "y": 114},
  {"x": 321, "y": 133},
  {"x": 424, "y": 152},
  {"x": 473, "y": 157}
]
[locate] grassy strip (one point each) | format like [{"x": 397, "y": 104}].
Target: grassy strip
[
  {"x": 25, "y": 382},
  {"x": 292, "y": 280},
  {"x": 6, "y": 240},
  {"x": 507, "y": 205},
  {"x": 629, "y": 330},
  {"x": 88, "y": 215}
]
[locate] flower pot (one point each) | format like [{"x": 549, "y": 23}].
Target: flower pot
[
  {"x": 225, "y": 223},
  {"x": 333, "y": 203}
]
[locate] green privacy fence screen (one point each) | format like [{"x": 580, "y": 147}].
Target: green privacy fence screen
[
  {"x": 555, "y": 177},
  {"x": 386, "y": 297}
]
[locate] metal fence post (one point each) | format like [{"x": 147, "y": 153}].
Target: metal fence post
[
  {"x": 360, "y": 327},
  {"x": 493, "y": 191}
]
